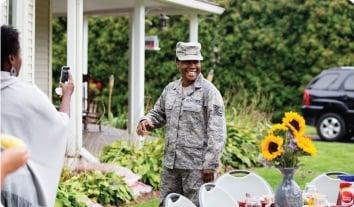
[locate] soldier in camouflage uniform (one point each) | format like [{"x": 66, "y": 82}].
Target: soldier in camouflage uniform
[{"x": 193, "y": 111}]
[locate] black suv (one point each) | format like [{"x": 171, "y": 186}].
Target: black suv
[{"x": 328, "y": 103}]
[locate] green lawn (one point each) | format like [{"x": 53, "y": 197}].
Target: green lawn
[
  {"x": 311, "y": 131},
  {"x": 151, "y": 203},
  {"x": 330, "y": 157}
]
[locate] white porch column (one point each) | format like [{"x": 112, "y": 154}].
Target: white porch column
[
  {"x": 85, "y": 60},
  {"x": 74, "y": 60},
  {"x": 136, "y": 66},
  {"x": 193, "y": 28},
  {"x": 85, "y": 45}
]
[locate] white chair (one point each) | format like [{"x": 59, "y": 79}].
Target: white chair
[
  {"x": 239, "y": 182},
  {"x": 177, "y": 200},
  {"x": 212, "y": 196},
  {"x": 328, "y": 184}
]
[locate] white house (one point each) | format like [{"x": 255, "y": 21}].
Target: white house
[{"x": 33, "y": 19}]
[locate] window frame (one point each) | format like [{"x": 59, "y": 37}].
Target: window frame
[
  {"x": 347, "y": 79},
  {"x": 329, "y": 86}
]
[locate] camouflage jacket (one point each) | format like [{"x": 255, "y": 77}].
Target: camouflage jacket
[{"x": 195, "y": 125}]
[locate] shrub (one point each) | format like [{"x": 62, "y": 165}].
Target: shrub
[
  {"x": 246, "y": 125},
  {"x": 145, "y": 161},
  {"x": 103, "y": 188},
  {"x": 245, "y": 128},
  {"x": 120, "y": 121}
]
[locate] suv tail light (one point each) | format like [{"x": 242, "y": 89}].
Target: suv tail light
[{"x": 306, "y": 99}]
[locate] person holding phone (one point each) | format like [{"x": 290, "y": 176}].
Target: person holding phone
[
  {"x": 27, "y": 113},
  {"x": 193, "y": 111}
]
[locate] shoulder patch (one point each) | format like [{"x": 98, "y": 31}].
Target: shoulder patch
[{"x": 217, "y": 110}]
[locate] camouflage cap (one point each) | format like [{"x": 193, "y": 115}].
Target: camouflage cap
[{"x": 188, "y": 51}]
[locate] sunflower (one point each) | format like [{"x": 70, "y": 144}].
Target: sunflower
[
  {"x": 294, "y": 122},
  {"x": 307, "y": 146},
  {"x": 272, "y": 147},
  {"x": 278, "y": 129},
  {"x": 298, "y": 137}
]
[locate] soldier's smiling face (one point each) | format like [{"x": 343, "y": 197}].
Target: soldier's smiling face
[{"x": 189, "y": 69}]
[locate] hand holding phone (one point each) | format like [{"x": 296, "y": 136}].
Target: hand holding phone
[
  {"x": 64, "y": 79},
  {"x": 64, "y": 74}
]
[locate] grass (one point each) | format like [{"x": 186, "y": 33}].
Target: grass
[
  {"x": 151, "y": 203},
  {"x": 331, "y": 156},
  {"x": 311, "y": 130}
]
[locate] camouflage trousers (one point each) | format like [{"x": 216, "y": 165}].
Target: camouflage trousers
[{"x": 185, "y": 182}]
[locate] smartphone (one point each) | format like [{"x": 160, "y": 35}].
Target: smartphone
[{"x": 64, "y": 74}]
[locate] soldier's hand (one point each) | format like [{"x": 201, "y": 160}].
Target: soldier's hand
[
  {"x": 208, "y": 175},
  {"x": 144, "y": 127}
]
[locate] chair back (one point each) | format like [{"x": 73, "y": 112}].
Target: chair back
[
  {"x": 177, "y": 200},
  {"x": 212, "y": 196},
  {"x": 328, "y": 184},
  {"x": 239, "y": 182}
]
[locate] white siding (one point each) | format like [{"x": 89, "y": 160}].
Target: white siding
[
  {"x": 29, "y": 41},
  {"x": 42, "y": 47},
  {"x": 23, "y": 16},
  {"x": 3, "y": 12}
]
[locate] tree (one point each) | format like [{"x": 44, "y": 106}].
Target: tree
[{"x": 269, "y": 47}]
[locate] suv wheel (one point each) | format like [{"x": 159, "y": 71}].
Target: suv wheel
[{"x": 331, "y": 127}]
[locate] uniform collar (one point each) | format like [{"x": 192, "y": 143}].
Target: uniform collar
[{"x": 197, "y": 83}]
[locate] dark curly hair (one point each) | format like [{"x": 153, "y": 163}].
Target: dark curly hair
[{"x": 10, "y": 44}]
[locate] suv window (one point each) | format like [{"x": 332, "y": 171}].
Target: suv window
[
  {"x": 324, "y": 81},
  {"x": 349, "y": 83}
]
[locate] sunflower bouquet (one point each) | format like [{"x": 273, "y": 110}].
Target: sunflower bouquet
[{"x": 286, "y": 142}]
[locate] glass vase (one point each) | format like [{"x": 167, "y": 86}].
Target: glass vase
[{"x": 288, "y": 193}]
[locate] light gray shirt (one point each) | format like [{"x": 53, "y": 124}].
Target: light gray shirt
[{"x": 27, "y": 113}]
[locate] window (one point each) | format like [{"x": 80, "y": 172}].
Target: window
[
  {"x": 349, "y": 83},
  {"x": 324, "y": 81}
]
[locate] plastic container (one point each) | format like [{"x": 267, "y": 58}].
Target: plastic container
[
  {"x": 347, "y": 178},
  {"x": 346, "y": 194}
]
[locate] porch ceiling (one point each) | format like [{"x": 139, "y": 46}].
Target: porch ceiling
[{"x": 153, "y": 7}]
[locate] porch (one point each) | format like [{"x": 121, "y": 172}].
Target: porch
[{"x": 33, "y": 20}]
